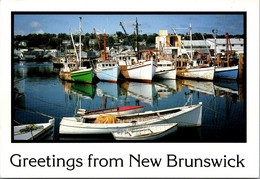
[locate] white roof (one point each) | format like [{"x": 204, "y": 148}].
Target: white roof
[
  {"x": 224, "y": 41},
  {"x": 201, "y": 43}
]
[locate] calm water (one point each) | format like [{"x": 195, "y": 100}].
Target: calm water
[{"x": 223, "y": 118}]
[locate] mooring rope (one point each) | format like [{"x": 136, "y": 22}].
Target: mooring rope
[{"x": 36, "y": 112}]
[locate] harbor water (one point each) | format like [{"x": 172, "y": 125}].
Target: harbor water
[{"x": 45, "y": 96}]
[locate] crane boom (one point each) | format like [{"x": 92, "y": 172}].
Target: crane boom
[
  {"x": 97, "y": 38},
  {"x": 121, "y": 23}
]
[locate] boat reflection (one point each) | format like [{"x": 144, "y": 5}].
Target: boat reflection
[
  {"x": 106, "y": 89},
  {"x": 143, "y": 92},
  {"x": 226, "y": 86},
  {"x": 217, "y": 88},
  {"x": 204, "y": 87},
  {"x": 164, "y": 88},
  {"x": 83, "y": 90}
]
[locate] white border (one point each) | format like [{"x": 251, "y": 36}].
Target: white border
[{"x": 249, "y": 150}]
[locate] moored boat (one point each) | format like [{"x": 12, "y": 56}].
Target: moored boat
[
  {"x": 187, "y": 116},
  {"x": 35, "y": 131},
  {"x": 140, "y": 70},
  {"x": 149, "y": 132},
  {"x": 204, "y": 73},
  {"x": 116, "y": 111},
  {"x": 165, "y": 70},
  {"x": 74, "y": 71},
  {"x": 107, "y": 71},
  {"x": 226, "y": 72}
]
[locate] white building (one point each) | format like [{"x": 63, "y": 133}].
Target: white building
[{"x": 237, "y": 45}]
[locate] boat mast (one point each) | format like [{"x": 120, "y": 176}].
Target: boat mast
[
  {"x": 137, "y": 46},
  {"x": 215, "y": 31},
  {"x": 80, "y": 41},
  {"x": 191, "y": 44},
  {"x": 105, "y": 56}
]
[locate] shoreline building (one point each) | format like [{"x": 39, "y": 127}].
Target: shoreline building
[{"x": 172, "y": 45}]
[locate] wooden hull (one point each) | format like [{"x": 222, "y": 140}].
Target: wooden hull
[
  {"x": 226, "y": 72},
  {"x": 140, "y": 71},
  {"x": 41, "y": 131},
  {"x": 149, "y": 132},
  {"x": 206, "y": 73},
  {"x": 187, "y": 116}
]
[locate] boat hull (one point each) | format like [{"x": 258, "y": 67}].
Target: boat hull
[
  {"x": 206, "y": 73},
  {"x": 43, "y": 131},
  {"x": 145, "y": 133},
  {"x": 166, "y": 74},
  {"x": 188, "y": 116},
  {"x": 109, "y": 74},
  {"x": 226, "y": 72},
  {"x": 82, "y": 76},
  {"x": 144, "y": 71}
]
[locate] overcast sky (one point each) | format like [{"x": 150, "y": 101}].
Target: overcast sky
[{"x": 150, "y": 23}]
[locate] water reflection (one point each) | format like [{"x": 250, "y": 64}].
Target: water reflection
[
  {"x": 142, "y": 92},
  {"x": 110, "y": 90},
  {"x": 223, "y": 116}
]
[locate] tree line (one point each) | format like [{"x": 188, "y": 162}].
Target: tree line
[{"x": 54, "y": 41}]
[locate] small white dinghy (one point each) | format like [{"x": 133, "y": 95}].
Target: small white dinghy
[
  {"x": 149, "y": 132},
  {"x": 35, "y": 131}
]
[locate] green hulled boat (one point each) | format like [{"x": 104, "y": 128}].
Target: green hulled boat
[
  {"x": 82, "y": 75},
  {"x": 73, "y": 71}
]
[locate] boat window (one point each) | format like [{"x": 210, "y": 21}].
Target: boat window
[
  {"x": 110, "y": 65},
  {"x": 103, "y": 65}
]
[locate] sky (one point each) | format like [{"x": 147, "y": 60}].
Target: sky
[{"x": 25, "y": 24}]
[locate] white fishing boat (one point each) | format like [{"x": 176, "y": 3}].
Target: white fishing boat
[
  {"x": 187, "y": 116},
  {"x": 115, "y": 111},
  {"x": 135, "y": 68},
  {"x": 149, "y": 132},
  {"x": 35, "y": 131},
  {"x": 165, "y": 70},
  {"x": 203, "y": 73},
  {"x": 139, "y": 70}
]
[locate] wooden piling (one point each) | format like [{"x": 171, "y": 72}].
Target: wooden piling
[
  {"x": 208, "y": 59},
  {"x": 240, "y": 66},
  {"x": 227, "y": 60},
  {"x": 181, "y": 61},
  {"x": 218, "y": 60}
]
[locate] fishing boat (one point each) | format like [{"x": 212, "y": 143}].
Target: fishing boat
[
  {"x": 116, "y": 111},
  {"x": 186, "y": 116},
  {"x": 203, "y": 73},
  {"x": 35, "y": 131},
  {"x": 226, "y": 72},
  {"x": 149, "y": 132},
  {"x": 135, "y": 68},
  {"x": 165, "y": 70},
  {"x": 107, "y": 71},
  {"x": 139, "y": 70},
  {"x": 74, "y": 71}
]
